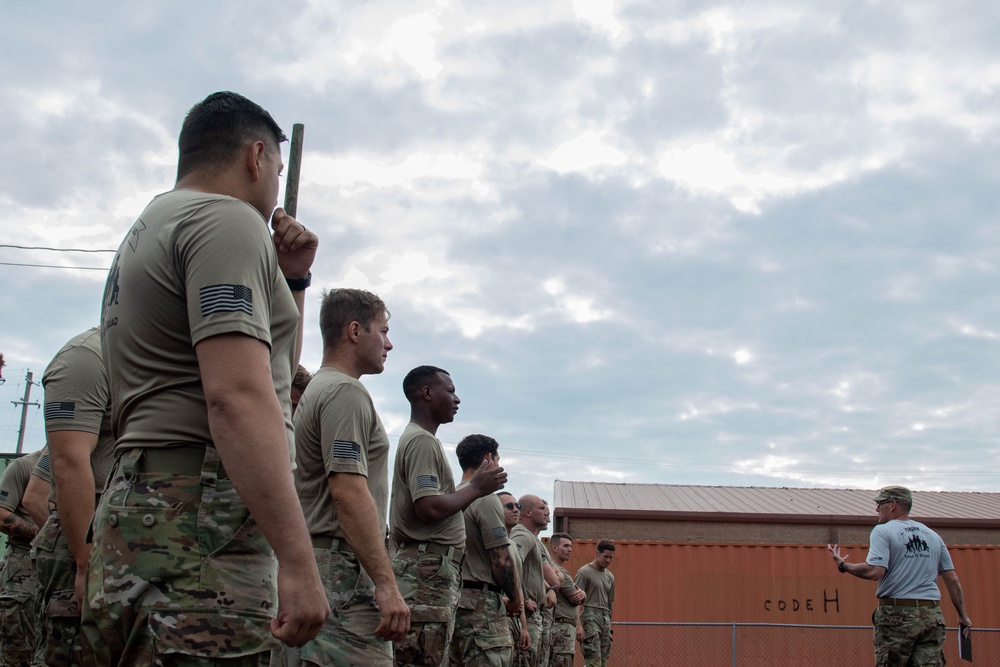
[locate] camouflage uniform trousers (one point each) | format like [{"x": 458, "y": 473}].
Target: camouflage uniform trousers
[
  {"x": 481, "y": 636},
  {"x": 563, "y": 642},
  {"x": 60, "y": 641},
  {"x": 180, "y": 574},
  {"x": 909, "y": 636},
  {"x": 530, "y": 657},
  {"x": 596, "y": 646},
  {"x": 430, "y": 584},
  {"x": 545, "y": 642},
  {"x": 19, "y": 607},
  {"x": 348, "y": 636}
]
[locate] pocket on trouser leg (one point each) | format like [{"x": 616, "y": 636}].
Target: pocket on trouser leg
[
  {"x": 17, "y": 629},
  {"x": 424, "y": 644},
  {"x": 215, "y": 635}
]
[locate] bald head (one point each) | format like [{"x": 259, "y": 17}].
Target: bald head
[{"x": 534, "y": 513}]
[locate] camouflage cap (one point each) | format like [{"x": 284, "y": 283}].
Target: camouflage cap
[{"x": 900, "y": 493}]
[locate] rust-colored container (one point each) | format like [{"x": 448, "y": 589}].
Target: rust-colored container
[{"x": 788, "y": 584}]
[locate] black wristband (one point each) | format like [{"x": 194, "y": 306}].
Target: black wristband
[
  {"x": 842, "y": 566},
  {"x": 300, "y": 284}
]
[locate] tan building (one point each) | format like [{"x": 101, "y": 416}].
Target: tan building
[{"x": 758, "y": 515}]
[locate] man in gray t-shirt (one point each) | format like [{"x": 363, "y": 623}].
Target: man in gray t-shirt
[{"x": 906, "y": 558}]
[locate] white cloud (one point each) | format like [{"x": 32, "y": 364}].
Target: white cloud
[{"x": 582, "y": 153}]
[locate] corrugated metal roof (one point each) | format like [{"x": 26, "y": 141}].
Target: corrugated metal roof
[{"x": 597, "y": 498}]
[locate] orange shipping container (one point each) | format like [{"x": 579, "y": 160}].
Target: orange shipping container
[{"x": 752, "y": 583}]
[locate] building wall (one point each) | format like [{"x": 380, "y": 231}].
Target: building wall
[
  {"x": 755, "y": 583},
  {"x": 748, "y": 533}
]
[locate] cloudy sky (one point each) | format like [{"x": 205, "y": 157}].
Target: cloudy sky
[{"x": 654, "y": 241}]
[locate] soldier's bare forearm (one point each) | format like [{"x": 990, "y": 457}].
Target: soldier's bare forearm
[{"x": 15, "y": 527}]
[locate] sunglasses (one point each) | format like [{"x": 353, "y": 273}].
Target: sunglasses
[
  {"x": 879, "y": 503},
  {"x": 511, "y": 506}
]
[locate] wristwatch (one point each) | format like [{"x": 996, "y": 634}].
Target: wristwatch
[
  {"x": 841, "y": 566},
  {"x": 299, "y": 284}
]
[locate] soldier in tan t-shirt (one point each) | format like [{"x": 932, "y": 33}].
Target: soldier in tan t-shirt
[
  {"x": 342, "y": 478},
  {"x": 481, "y": 637},
  {"x": 81, "y": 447},
  {"x": 201, "y": 326},
  {"x": 425, "y": 519}
]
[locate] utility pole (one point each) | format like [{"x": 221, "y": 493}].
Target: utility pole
[{"x": 24, "y": 409}]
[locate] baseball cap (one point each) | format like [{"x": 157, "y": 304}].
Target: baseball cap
[{"x": 900, "y": 493}]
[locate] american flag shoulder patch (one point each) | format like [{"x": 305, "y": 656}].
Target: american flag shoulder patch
[
  {"x": 499, "y": 533},
  {"x": 60, "y": 410},
  {"x": 427, "y": 482},
  {"x": 226, "y": 299},
  {"x": 44, "y": 464},
  {"x": 4, "y": 494},
  {"x": 345, "y": 449}
]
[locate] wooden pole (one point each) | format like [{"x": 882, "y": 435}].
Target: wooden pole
[{"x": 294, "y": 167}]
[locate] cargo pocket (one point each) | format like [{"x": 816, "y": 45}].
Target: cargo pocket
[
  {"x": 213, "y": 636},
  {"x": 469, "y": 599},
  {"x": 494, "y": 642}
]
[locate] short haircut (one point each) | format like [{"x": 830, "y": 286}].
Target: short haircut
[
  {"x": 605, "y": 545},
  {"x": 557, "y": 538},
  {"x": 344, "y": 305},
  {"x": 302, "y": 378},
  {"x": 421, "y": 376},
  {"x": 506, "y": 493},
  {"x": 473, "y": 449},
  {"x": 216, "y": 128}
]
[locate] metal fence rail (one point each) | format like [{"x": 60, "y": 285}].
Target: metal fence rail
[{"x": 770, "y": 644}]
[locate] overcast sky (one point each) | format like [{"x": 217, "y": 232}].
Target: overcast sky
[{"x": 654, "y": 242}]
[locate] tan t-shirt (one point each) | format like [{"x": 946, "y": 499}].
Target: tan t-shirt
[
  {"x": 338, "y": 430},
  {"x": 599, "y": 586},
  {"x": 484, "y": 530},
  {"x": 422, "y": 470},
  {"x": 77, "y": 399},
  {"x": 194, "y": 265},
  {"x": 530, "y": 550},
  {"x": 564, "y": 609},
  {"x": 13, "y": 482}
]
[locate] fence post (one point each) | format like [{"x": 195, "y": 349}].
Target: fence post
[{"x": 734, "y": 644}]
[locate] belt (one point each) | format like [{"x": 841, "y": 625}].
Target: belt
[
  {"x": 186, "y": 460},
  {"x": 453, "y": 553},
  {"x": 331, "y": 544},
  {"x": 900, "y": 602},
  {"x": 480, "y": 586}
]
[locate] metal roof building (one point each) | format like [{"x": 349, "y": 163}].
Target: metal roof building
[{"x": 759, "y": 515}]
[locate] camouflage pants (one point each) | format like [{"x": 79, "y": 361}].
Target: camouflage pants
[
  {"x": 596, "y": 646},
  {"x": 545, "y": 642},
  {"x": 19, "y": 605},
  {"x": 60, "y": 641},
  {"x": 563, "y": 643},
  {"x": 909, "y": 636},
  {"x": 180, "y": 574},
  {"x": 530, "y": 657},
  {"x": 430, "y": 584},
  {"x": 348, "y": 636},
  {"x": 481, "y": 636}
]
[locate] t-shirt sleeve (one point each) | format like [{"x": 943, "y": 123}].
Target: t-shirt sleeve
[
  {"x": 489, "y": 517},
  {"x": 878, "y": 550},
  {"x": 76, "y": 391},
  {"x": 524, "y": 541},
  {"x": 944, "y": 563},
  {"x": 425, "y": 467},
  {"x": 566, "y": 584},
  {"x": 346, "y": 419},
  {"x": 229, "y": 266},
  {"x": 12, "y": 485},
  {"x": 43, "y": 469}
]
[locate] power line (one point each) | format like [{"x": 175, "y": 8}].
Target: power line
[
  {"x": 56, "y": 266},
  {"x": 38, "y": 247}
]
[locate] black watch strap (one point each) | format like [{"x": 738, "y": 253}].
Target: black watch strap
[
  {"x": 300, "y": 284},
  {"x": 841, "y": 566}
]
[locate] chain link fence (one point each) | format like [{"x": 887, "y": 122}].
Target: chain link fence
[{"x": 760, "y": 644}]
